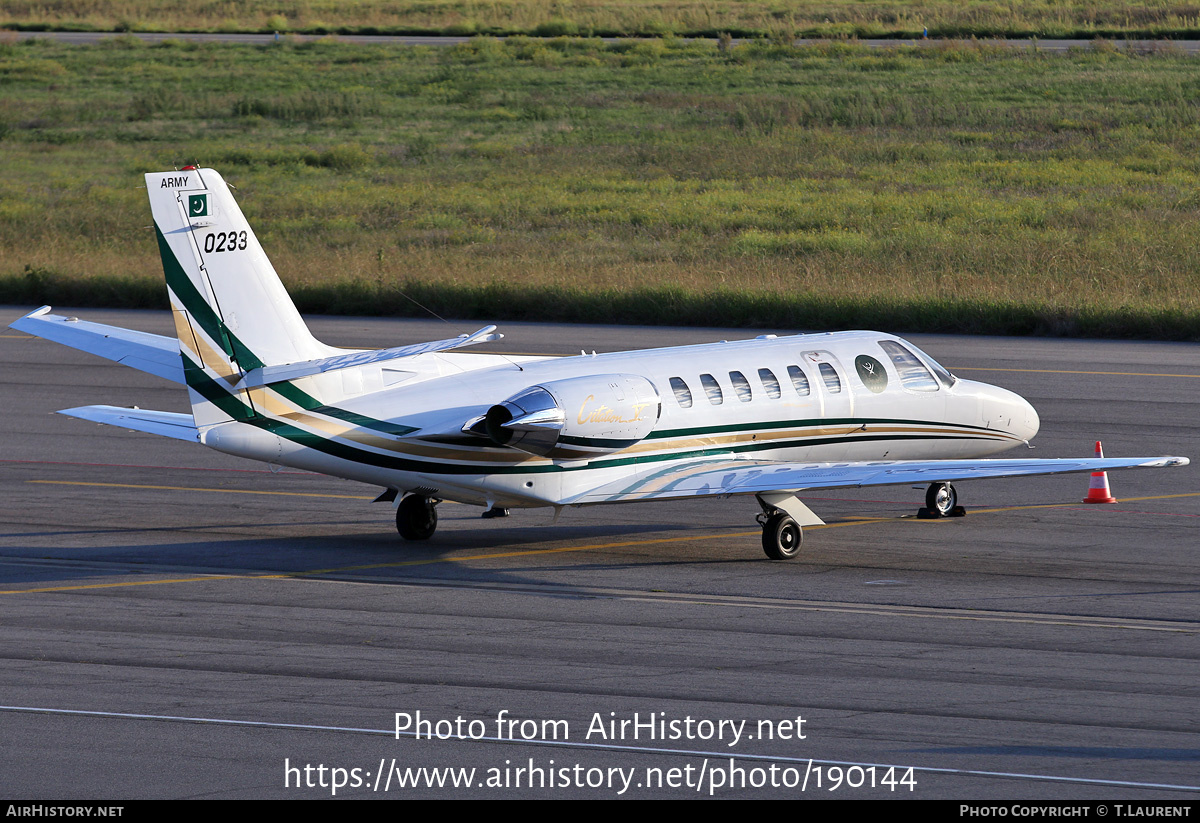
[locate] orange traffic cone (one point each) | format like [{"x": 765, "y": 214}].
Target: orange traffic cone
[{"x": 1098, "y": 489}]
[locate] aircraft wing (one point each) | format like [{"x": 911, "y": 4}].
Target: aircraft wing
[
  {"x": 146, "y": 352},
  {"x": 291, "y": 371},
  {"x": 718, "y": 476},
  {"x": 165, "y": 424},
  {"x": 159, "y": 355}
]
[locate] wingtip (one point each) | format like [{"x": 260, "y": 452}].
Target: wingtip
[
  {"x": 33, "y": 315},
  {"x": 1166, "y": 462},
  {"x": 77, "y": 411},
  {"x": 485, "y": 335}
]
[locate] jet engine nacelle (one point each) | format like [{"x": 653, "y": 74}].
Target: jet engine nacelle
[{"x": 577, "y": 418}]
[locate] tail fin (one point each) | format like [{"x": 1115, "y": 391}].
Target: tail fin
[{"x": 232, "y": 313}]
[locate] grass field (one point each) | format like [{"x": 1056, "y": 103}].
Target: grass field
[
  {"x": 967, "y": 187},
  {"x": 749, "y": 18}
]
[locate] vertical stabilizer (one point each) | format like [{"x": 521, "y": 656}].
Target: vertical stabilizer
[{"x": 232, "y": 313}]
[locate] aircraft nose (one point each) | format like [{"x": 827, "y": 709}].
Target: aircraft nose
[
  {"x": 1022, "y": 417},
  {"x": 1010, "y": 412},
  {"x": 1030, "y": 421}
]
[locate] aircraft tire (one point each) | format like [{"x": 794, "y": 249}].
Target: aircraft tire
[
  {"x": 940, "y": 499},
  {"x": 416, "y": 518},
  {"x": 781, "y": 537}
]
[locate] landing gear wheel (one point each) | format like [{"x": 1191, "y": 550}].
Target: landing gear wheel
[
  {"x": 781, "y": 537},
  {"x": 941, "y": 499},
  {"x": 416, "y": 518}
]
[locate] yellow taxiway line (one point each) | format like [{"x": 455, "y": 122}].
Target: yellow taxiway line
[
  {"x": 1073, "y": 371},
  {"x": 858, "y": 521},
  {"x": 192, "y": 489},
  {"x": 952, "y": 368}
]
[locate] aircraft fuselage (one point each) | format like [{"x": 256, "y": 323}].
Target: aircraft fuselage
[{"x": 813, "y": 398}]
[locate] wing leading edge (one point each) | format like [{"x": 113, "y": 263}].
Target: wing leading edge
[
  {"x": 702, "y": 478},
  {"x": 159, "y": 355},
  {"x": 267, "y": 375}
]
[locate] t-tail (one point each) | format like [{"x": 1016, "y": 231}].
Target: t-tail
[{"x": 232, "y": 313}]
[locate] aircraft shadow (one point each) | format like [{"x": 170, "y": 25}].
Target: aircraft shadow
[{"x": 381, "y": 557}]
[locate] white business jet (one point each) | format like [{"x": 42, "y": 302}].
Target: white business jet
[{"x": 769, "y": 417}]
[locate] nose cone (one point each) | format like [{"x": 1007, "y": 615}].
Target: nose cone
[
  {"x": 1030, "y": 422},
  {"x": 1005, "y": 411},
  {"x": 1010, "y": 412}
]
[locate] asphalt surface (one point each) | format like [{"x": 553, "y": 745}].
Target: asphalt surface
[
  {"x": 179, "y": 623},
  {"x": 1051, "y": 45}
]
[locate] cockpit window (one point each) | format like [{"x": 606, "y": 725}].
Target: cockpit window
[
  {"x": 742, "y": 386},
  {"x": 770, "y": 383},
  {"x": 683, "y": 395},
  {"x": 799, "y": 380},
  {"x": 712, "y": 388},
  {"x": 913, "y": 374},
  {"x": 941, "y": 372}
]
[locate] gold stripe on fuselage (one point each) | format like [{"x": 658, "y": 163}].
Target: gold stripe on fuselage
[
  {"x": 216, "y": 361},
  {"x": 806, "y": 433},
  {"x": 490, "y": 456},
  {"x": 268, "y": 401}
]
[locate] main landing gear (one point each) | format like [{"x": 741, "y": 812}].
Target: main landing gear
[
  {"x": 416, "y": 517},
  {"x": 782, "y": 535},
  {"x": 941, "y": 500}
]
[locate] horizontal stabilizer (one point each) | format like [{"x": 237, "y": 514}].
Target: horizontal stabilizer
[
  {"x": 164, "y": 424},
  {"x": 267, "y": 375},
  {"x": 713, "y": 476},
  {"x": 151, "y": 353}
]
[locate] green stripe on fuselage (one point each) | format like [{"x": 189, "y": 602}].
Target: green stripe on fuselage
[
  {"x": 728, "y": 428},
  {"x": 310, "y": 404},
  {"x": 185, "y": 291},
  {"x": 198, "y": 309},
  {"x": 219, "y": 395}
]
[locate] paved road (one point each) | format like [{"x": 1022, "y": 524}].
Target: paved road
[
  {"x": 179, "y": 623},
  {"x": 1186, "y": 46}
]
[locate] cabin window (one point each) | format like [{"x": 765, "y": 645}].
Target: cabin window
[
  {"x": 770, "y": 383},
  {"x": 683, "y": 395},
  {"x": 712, "y": 388},
  {"x": 742, "y": 386},
  {"x": 799, "y": 380},
  {"x": 913, "y": 374},
  {"x": 830, "y": 376}
]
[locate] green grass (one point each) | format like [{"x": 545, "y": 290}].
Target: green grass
[
  {"x": 747, "y": 18},
  {"x": 967, "y": 187}
]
